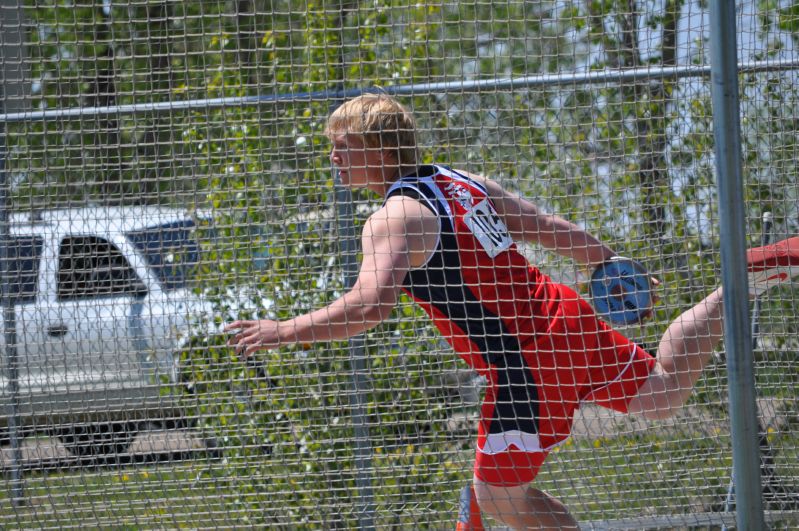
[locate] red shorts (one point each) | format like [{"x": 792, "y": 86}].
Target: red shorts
[{"x": 531, "y": 399}]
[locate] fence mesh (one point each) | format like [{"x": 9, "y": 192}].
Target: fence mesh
[{"x": 165, "y": 171}]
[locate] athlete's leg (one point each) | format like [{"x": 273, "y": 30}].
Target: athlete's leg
[
  {"x": 684, "y": 351},
  {"x": 688, "y": 344},
  {"x": 523, "y": 507}
]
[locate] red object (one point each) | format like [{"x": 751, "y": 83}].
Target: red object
[{"x": 469, "y": 518}]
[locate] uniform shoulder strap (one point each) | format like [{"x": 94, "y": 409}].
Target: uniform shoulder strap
[{"x": 422, "y": 187}]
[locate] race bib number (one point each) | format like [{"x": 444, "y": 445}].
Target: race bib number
[{"x": 488, "y": 228}]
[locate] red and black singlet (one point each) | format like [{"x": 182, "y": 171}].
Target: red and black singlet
[
  {"x": 479, "y": 290},
  {"x": 539, "y": 344}
]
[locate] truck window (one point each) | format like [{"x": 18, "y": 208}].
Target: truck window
[
  {"x": 171, "y": 250},
  {"x": 23, "y": 257},
  {"x": 90, "y": 267}
]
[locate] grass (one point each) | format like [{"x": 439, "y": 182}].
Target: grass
[
  {"x": 601, "y": 479},
  {"x": 155, "y": 497},
  {"x": 674, "y": 470}
]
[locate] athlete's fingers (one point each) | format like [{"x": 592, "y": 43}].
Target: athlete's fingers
[
  {"x": 246, "y": 344},
  {"x": 655, "y": 284},
  {"x": 245, "y": 330},
  {"x": 237, "y": 325},
  {"x": 248, "y": 335},
  {"x": 249, "y": 351},
  {"x": 253, "y": 336},
  {"x": 252, "y": 344},
  {"x": 233, "y": 326}
]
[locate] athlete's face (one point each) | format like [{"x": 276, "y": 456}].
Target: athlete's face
[{"x": 358, "y": 165}]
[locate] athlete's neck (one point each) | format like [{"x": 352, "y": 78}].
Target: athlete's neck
[{"x": 383, "y": 187}]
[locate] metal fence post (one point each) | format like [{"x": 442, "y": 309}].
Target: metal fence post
[
  {"x": 14, "y": 89},
  {"x": 9, "y": 334},
  {"x": 737, "y": 332},
  {"x": 357, "y": 354}
]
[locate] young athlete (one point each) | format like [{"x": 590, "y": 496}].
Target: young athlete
[{"x": 447, "y": 238}]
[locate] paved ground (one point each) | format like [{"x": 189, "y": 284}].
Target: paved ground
[
  {"x": 46, "y": 452},
  {"x": 593, "y": 421},
  {"x": 590, "y": 422}
]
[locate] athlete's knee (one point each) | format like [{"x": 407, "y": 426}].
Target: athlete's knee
[
  {"x": 497, "y": 500},
  {"x": 483, "y": 495}
]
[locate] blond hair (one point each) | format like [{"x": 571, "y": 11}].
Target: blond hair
[{"x": 381, "y": 121}]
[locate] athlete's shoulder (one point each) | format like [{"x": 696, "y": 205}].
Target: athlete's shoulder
[
  {"x": 419, "y": 187},
  {"x": 398, "y": 211}
]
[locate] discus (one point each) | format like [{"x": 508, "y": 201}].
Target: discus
[{"x": 621, "y": 291}]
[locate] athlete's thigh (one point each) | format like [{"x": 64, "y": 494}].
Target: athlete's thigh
[{"x": 522, "y": 506}]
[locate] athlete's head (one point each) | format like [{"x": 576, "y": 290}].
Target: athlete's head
[{"x": 382, "y": 124}]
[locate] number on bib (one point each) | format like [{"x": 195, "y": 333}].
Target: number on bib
[{"x": 488, "y": 228}]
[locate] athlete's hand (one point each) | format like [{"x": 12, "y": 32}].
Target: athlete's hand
[
  {"x": 655, "y": 281},
  {"x": 251, "y": 336},
  {"x": 584, "y": 280}
]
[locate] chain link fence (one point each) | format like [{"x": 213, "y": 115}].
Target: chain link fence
[{"x": 164, "y": 172}]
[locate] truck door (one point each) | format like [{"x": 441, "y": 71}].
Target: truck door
[{"x": 96, "y": 289}]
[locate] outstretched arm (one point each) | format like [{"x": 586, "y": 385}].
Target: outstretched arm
[
  {"x": 527, "y": 223},
  {"x": 396, "y": 238}
]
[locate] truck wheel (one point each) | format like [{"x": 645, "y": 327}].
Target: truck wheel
[{"x": 90, "y": 440}]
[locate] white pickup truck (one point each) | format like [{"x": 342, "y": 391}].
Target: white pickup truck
[{"x": 101, "y": 303}]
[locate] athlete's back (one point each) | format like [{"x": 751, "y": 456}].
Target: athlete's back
[{"x": 481, "y": 292}]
